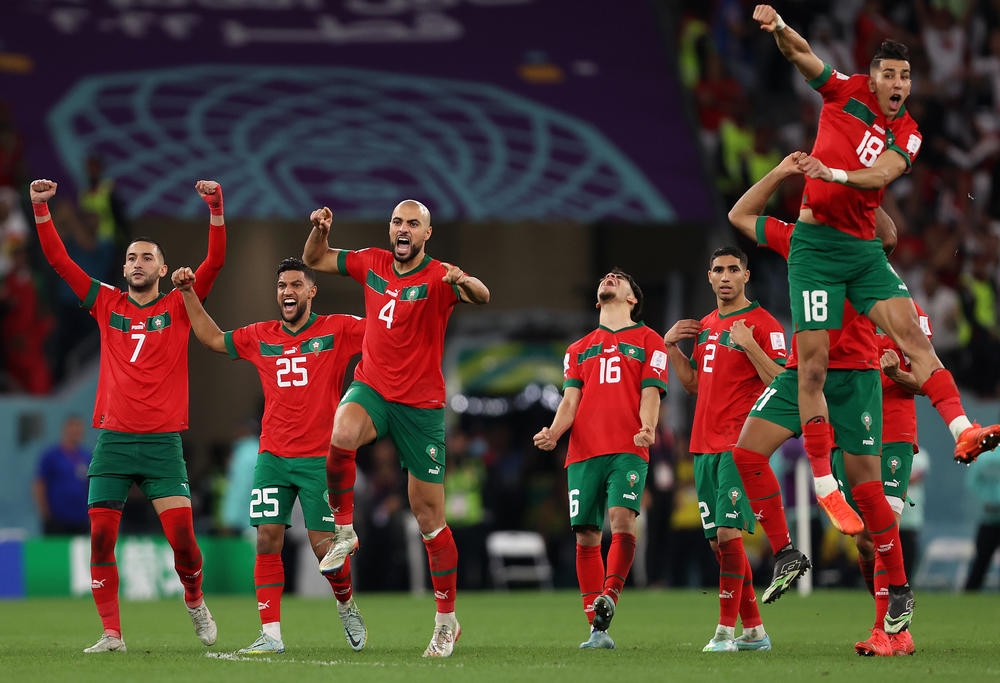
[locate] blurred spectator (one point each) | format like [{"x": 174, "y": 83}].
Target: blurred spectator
[
  {"x": 692, "y": 561},
  {"x": 383, "y": 565},
  {"x": 60, "y": 489},
  {"x": 464, "y": 506},
  {"x": 25, "y": 326},
  {"x": 99, "y": 198},
  {"x": 234, "y": 510},
  {"x": 13, "y": 228},
  {"x": 942, "y": 306},
  {"x": 659, "y": 503},
  {"x": 912, "y": 520},
  {"x": 11, "y": 149},
  {"x": 984, "y": 482},
  {"x": 979, "y": 333}
]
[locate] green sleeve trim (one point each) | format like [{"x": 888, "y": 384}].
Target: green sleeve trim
[
  {"x": 899, "y": 150},
  {"x": 694, "y": 363},
  {"x": 820, "y": 80},
  {"x": 761, "y": 229},
  {"x": 575, "y": 383},
  {"x": 88, "y": 301},
  {"x": 342, "y": 262},
  {"x": 458, "y": 294},
  {"x": 230, "y": 346},
  {"x": 653, "y": 382}
]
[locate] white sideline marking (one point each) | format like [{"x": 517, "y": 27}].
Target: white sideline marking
[{"x": 234, "y": 657}]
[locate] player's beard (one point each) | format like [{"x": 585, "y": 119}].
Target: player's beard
[
  {"x": 146, "y": 284},
  {"x": 412, "y": 254},
  {"x": 606, "y": 296},
  {"x": 296, "y": 315}
]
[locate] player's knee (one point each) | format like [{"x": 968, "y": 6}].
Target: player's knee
[
  {"x": 345, "y": 435},
  {"x": 269, "y": 539}
]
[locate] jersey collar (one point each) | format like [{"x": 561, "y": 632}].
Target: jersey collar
[
  {"x": 310, "y": 321},
  {"x": 630, "y": 327},
  {"x": 741, "y": 311},
  {"x": 138, "y": 305},
  {"x": 423, "y": 264}
]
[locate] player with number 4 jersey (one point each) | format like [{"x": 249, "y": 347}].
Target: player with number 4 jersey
[
  {"x": 301, "y": 360},
  {"x": 141, "y": 405},
  {"x": 613, "y": 381},
  {"x": 738, "y": 349},
  {"x": 398, "y": 388}
]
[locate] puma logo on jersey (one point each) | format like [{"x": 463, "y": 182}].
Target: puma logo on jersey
[
  {"x": 713, "y": 337},
  {"x": 435, "y": 470},
  {"x": 139, "y": 326},
  {"x": 610, "y": 349},
  {"x": 392, "y": 292},
  {"x": 289, "y": 351},
  {"x": 629, "y": 496}
]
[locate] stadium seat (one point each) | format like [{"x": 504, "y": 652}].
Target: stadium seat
[
  {"x": 518, "y": 557},
  {"x": 945, "y": 563}
]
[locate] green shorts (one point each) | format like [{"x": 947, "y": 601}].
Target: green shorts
[
  {"x": 276, "y": 484},
  {"x": 897, "y": 461},
  {"x": 827, "y": 266},
  {"x": 595, "y": 484},
  {"x": 153, "y": 461},
  {"x": 418, "y": 433},
  {"x": 854, "y": 398},
  {"x": 721, "y": 498}
]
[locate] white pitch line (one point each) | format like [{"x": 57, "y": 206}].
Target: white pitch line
[{"x": 234, "y": 657}]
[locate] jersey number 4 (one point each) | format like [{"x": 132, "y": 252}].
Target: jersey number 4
[{"x": 385, "y": 314}]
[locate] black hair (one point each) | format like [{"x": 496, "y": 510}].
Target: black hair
[
  {"x": 729, "y": 251},
  {"x": 889, "y": 49},
  {"x": 151, "y": 241},
  {"x": 292, "y": 263},
  {"x": 636, "y": 313}
]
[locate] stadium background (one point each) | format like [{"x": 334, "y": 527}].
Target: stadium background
[{"x": 552, "y": 139}]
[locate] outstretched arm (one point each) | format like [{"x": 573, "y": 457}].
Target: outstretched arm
[
  {"x": 471, "y": 290},
  {"x": 41, "y": 192},
  {"x": 211, "y": 192},
  {"x": 747, "y": 208},
  {"x": 547, "y": 437},
  {"x": 889, "y": 166},
  {"x": 795, "y": 48},
  {"x": 204, "y": 327},
  {"x": 317, "y": 253}
]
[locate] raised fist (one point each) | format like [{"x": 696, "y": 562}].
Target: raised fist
[
  {"x": 42, "y": 190},
  {"x": 322, "y": 219},
  {"x": 183, "y": 278},
  {"x": 211, "y": 192}
]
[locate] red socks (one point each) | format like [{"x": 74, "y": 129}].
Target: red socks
[
  {"x": 620, "y": 556},
  {"x": 732, "y": 562},
  {"x": 590, "y": 575},
  {"x": 341, "y": 581},
  {"x": 442, "y": 554},
  {"x": 941, "y": 390},
  {"x": 881, "y": 585},
  {"x": 764, "y": 494},
  {"x": 818, "y": 442},
  {"x": 340, "y": 475},
  {"x": 749, "y": 614},
  {"x": 881, "y": 523},
  {"x": 179, "y": 530},
  {"x": 103, "y": 567},
  {"x": 269, "y": 582}
]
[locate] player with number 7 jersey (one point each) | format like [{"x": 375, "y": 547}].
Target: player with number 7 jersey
[{"x": 141, "y": 405}]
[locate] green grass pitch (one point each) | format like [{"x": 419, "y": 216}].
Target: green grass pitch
[{"x": 524, "y": 636}]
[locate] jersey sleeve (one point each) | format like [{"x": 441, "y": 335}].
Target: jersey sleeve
[
  {"x": 209, "y": 269},
  {"x": 775, "y": 235},
  {"x": 83, "y": 286},
  {"x": 353, "y": 333},
  {"x": 771, "y": 336},
  {"x": 240, "y": 342},
  {"x": 354, "y": 264},
  {"x": 831, "y": 84},
  {"x": 571, "y": 370},
  {"x": 654, "y": 371},
  {"x": 906, "y": 139}
]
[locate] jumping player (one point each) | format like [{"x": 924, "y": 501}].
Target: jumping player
[
  {"x": 613, "y": 381},
  {"x": 301, "y": 360},
  {"x": 141, "y": 405},
  {"x": 739, "y": 349},
  {"x": 398, "y": 387}
]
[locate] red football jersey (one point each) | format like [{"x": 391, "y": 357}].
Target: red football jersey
[
  {"x": 405, "y": 321},
  {"x": 852, "y": 347},
  {"x": 899, "y": 411},
  {"x": 302, "y": 374},
  {"x": 853, "y": 132},
  {"x": 142, "y": 387},
  {"x": 611, "y": 369},
  {"x": 722, "y": 407}
]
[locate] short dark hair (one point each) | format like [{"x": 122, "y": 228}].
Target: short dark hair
[
  {"x": 889, "y": 49},
  {"x": 636, "y": 313},
  {"x": 292, "y": 263},
  {"x": 729, "y": 251},
  {"x": 151, "y": 241}
]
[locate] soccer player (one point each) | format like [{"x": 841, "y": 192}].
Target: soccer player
[
  {"x": 865, "y": 140},
  {"x": 141, "y": 405},
  {"x": 301, "y": 360},
  {"x": 739, "y": 349},
  {"x": 613, "y": 381},
  {"x": 398, "y": 388},
  {"x": 854, "y": 389}
]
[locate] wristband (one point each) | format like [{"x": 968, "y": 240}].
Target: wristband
[
  {"x": 214, "y": 201},
  {"x": 839, "y": 175},
  {"x": 40, "y": 209},
  {"x": 779, "y": 23}
]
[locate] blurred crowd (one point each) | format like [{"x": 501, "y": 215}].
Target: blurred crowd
[{"x": 752, "y": 107}]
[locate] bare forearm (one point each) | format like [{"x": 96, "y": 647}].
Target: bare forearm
[
  {"x": 766, "y": 368},
  {"x": 907, "y": 380},
  {"x": 649, "y": 407},
  {"x": 205, "y": 329},
  {"x": 317, "y": 253},
  {"x": 682, "y": 366},
  {"x": 564, "y": 416},
  {"x": 744, "y": 213},
  {"x": 874, "y": 178},
  {"x": 796, "y": 50},
  {"x": 473, "y": 290}
]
